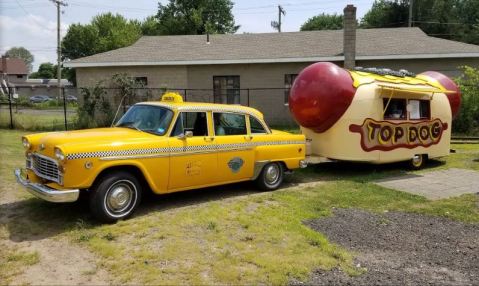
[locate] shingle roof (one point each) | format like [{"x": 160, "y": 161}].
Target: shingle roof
[
  {"x": 13, "y": 66},
  {"x": 278, "y": 47}
]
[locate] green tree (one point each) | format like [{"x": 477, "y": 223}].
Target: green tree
[
  {"x": 150, "y": 26},
  {"x": 21, "y": 53},
  {"x": 49, "y": 71},
  {"x": 450, "y": 19},
  {"x": 195, "y": 17},
  {"x": 105, "y": 32},
  {"x": 323, "y": 22},
  {"x": 467, "y": 121},
  {"x": 45, "y": 70},
  {"x": 386, "y": 13}
]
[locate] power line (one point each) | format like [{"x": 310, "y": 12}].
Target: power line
[
  {"x": 447, "y": 23},
  {"x": 28, "y": 14}
]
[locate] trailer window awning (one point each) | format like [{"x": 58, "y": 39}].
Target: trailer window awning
[{"x": 421, "y": 89}]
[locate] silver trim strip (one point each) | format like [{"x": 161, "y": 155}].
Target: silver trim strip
[
  {"x": 178, "y": 151},
  {"x": 46, "y": 193},
  {"x": 112, "y": 158},
  {"x": 258, "y": 166}
]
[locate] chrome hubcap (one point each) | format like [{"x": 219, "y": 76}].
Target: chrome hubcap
[
  {"x": 119, "y": 197},
  {"x": 272, "y": 174},
  {"x": 416, "y": 160}
]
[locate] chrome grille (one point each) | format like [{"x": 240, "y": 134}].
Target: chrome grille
[{"x": 45, "y": 167}]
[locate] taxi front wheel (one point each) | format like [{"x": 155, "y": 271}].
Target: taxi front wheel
[
  {"x": 115, "y": 197},
  {"x": 270, "y": 177}
]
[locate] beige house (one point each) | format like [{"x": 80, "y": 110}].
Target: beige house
[{"x": 258, "y": 69}]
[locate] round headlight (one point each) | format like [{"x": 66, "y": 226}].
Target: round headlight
[
  {"x": 59, "y": 154},
  {"x": 26, "y": 144}
]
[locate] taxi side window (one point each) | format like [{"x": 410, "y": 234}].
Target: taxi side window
[
  {"x": 256, "y": 126},
  {"x": 395, "y": 110},
  {"x": 229, "y": 124},
  {"x": 191, "y": 121}
]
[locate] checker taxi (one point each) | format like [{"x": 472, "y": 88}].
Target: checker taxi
[{"x": 163, "y": 147}]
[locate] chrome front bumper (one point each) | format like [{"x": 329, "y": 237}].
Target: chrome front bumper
[{"x": 46, "y": 193}]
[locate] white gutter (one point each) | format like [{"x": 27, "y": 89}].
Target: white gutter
[{"x": 276, "y": 60}]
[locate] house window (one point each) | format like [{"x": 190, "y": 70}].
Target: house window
[
  {"x": 229, "y": 124},
  {"x": 419, "y": 109},
  {"x": 19, "y": 76},
  {"x": 143, "y": 80},
  {"x": 226, "y": 89},
  {"x": 288, "y": 83},
  {"x": 395, "y": 109}
]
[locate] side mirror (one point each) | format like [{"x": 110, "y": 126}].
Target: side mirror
[{"x": 185, "y": 135}]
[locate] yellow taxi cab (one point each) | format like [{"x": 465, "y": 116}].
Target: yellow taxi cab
[{"x": 165, "y": 146}]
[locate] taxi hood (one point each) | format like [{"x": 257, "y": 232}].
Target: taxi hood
[{"x": 92, "y": 139}]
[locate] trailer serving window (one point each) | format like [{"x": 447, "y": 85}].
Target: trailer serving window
[
  {"x": 394, "y": 108},
  {"x": 419, "y": 109}
]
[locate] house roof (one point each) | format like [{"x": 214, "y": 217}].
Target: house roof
[
  {"x": 13, "y": 66},
  {"x": 327, "y": 45}
]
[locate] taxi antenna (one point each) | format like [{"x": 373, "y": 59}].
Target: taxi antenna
[{"x": 118, "y": 110}]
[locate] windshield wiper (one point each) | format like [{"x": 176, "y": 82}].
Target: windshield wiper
[{"x": 129, "y": 124}]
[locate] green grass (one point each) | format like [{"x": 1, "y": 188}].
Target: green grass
[
  {"x": 37, "y": 121},
  {"x": 11, "y": 154},
  {"x": 228, "y": 235}
]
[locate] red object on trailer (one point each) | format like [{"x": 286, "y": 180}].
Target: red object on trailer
[{"x": 320, "y": 95}]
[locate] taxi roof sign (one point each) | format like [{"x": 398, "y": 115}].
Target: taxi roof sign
[{"x": 172, "y": 97}]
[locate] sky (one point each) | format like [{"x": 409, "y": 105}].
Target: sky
[{"x": 32, "y": 23}]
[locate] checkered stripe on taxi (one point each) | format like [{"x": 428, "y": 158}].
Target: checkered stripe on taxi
[{"x": 186, "y": 149}]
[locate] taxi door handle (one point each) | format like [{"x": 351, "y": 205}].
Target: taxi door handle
[
  {"x": 209, "y": 139},
  {"x": 248, "y": 137}
]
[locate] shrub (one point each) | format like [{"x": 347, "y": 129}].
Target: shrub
[
  {"x": 467, "y": 121},
  {"x": 96, "y": 111}
]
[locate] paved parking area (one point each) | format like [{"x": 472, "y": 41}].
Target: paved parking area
[{"x": 437, "y": 184}]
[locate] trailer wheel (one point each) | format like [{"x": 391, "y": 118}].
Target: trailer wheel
[
  {"x": 418, "y": 161},
  {"x": 271, "y": 177}
]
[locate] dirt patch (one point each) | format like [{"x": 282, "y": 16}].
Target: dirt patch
[
  {"x": 62, "y": 263},
  {"x": 59, "y": 261},
  {"x": 401, "y": 248}
]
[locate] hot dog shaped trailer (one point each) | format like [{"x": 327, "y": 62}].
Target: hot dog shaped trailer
[{"x": 374, "y": 115}]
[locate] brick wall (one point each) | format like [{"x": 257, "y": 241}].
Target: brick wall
[
  {"x": 171, "y": 76},
  {"x": 349, "y": 36}
]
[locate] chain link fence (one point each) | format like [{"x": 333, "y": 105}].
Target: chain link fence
[{"x": 44, "y": 109}]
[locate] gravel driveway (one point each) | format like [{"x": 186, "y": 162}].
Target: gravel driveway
[{"x": 401, "y": 249}]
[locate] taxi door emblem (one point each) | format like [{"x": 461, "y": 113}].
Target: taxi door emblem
[{"x": 235, "y": 164}]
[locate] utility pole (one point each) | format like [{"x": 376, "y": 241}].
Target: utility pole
[
  {"x": 277, "y": 24},
  {"x": 411, "y": 2},
  {"x": 59, "y": 3}
]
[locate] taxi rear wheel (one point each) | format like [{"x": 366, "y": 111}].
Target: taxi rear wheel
[
  {"x": 115, "y": 196},
  {"x": 270, "y": 177}
]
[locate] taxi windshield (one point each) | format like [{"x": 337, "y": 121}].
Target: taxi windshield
[{"x": 147, "y": 118}]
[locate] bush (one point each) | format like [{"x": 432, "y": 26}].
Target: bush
[
  {"x": 467, "y": 121},
  {"x": 96, "y": 111}
]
